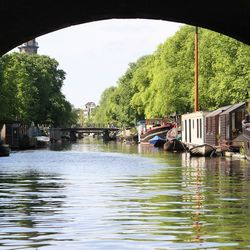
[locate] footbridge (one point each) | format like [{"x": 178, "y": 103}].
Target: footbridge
[{"x": 72, "y": 133}]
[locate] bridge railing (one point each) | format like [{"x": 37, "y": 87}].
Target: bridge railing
[{"x": 98, "y": 125}]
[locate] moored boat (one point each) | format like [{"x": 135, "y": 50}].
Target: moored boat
[
  {"x": 42, "y": 140},
  {"x": 174, "y": 145},
  {"x": 157, "y": 141},
  {"x": 202, "y": 150},
  {"x": 4, "y": 149},
  {"x": 174, "y": 142},
  {"x": 153, "y": 127}
]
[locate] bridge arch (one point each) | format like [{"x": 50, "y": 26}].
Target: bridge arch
[{"x": 21, "y": 21}]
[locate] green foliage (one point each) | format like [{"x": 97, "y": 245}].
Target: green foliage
[
  {"x": 224, "y": 70},
  {"x": 105, "y": 112},
  {"x": 31, "y": 90},
  {"x": 160, "y": 84}
]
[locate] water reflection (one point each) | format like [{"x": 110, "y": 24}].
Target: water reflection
[
  {"x": 105, "y": 196},
  {"x": 28, "y": 201},
  {"x": 60, "y": 146},
  {"x": 189, "y": 205},
  {"x": 221, "y": 192}
]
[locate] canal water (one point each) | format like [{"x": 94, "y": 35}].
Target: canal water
[{"x": 117, "y": 196}]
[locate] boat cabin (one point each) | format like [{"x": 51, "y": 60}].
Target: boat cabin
[
  {"x": 19, "y": 135},
  {"x": 230, "y": 122},
  {"x": 12, "y": 133},
  {"x": 193, "y": 127},
  {"x": 152, "y": 127},
  {"x": 155, "y": 122},
  {"x": 246, "y": 135},
  {"x": 213, "y": 126}
]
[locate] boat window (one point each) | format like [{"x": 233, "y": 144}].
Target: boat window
[
  {"x": 185, "y": 130},
  {"x": 200, "y": 128},
  {"x": 197, "y": 122},
  {"x": 207, "y": 124},
  {"x": 190, "y": 137}
]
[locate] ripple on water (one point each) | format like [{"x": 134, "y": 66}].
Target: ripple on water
[{"x": 96, "y": 198}]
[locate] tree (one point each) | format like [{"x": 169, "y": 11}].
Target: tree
[
  {"x": 105, "y": 112},
  {"x": 162, "y": 83},
  {"x": 31, "y": 90}
]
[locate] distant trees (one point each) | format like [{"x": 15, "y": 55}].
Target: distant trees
[
  {"x": 30, "y": 90},
  {"x": 163, "y": 83},
  {"x": 155, "y": 85}
]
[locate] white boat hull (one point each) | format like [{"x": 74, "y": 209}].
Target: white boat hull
[{"x": 202, "y": 150}]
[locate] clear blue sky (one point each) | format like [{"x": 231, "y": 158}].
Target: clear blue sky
[{"x": 94, "y": 55}]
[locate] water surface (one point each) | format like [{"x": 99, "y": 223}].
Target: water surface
[{"x": 104, "y": 196}]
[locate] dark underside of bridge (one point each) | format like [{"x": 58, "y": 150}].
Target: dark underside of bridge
[{"x": 22, "y": 20}]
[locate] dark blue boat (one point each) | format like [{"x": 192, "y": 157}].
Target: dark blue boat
[
  {"x": 4, "y": 149},
  {"x": 157, "y": 141}
]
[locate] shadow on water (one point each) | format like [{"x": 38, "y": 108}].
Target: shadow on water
[
  {"x": 28, "y": 200},
  {"x": 60, "y": 146}
]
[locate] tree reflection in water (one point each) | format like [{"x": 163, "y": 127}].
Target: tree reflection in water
[
  {"x": 221, "y": 195},
  {"x": 195, "y": 204},
  {"x": 24, "y": 198},
  {"x": 103, "y": 199}
]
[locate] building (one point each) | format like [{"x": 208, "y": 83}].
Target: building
[
  {"x": 193, "y": 127},
  {"x": 88, "y": 110},
  {"x": 29, "y": 47}
]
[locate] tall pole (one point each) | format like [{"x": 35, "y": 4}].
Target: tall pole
[{"x": 196, "y": 103}]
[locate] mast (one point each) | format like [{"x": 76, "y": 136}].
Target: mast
[{"x": 196, "y": 102}]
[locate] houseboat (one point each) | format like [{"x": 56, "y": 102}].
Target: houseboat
[
  {"x": 230, "y": 126},
  {"x": 22, "y": 136},
  {"x": 16, "y": 135},
  {"x": 213, "y": 126},
  {"x": 193, "y": 128}
]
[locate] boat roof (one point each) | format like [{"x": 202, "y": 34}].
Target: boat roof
[
  {"x": 218, "y": 111},
  {"x": 233, "y": 108},
  {"x": 195, "y": 114}
]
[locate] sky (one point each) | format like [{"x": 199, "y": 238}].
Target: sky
[{"x": 95, "y": 55}]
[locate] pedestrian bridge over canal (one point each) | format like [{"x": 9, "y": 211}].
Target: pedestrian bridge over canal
[{"x": 72, "y": 132}]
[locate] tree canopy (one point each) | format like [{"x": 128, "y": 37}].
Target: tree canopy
[
  {"x": 162, "y": 83},
  {"x": 30, "y": 90}
]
